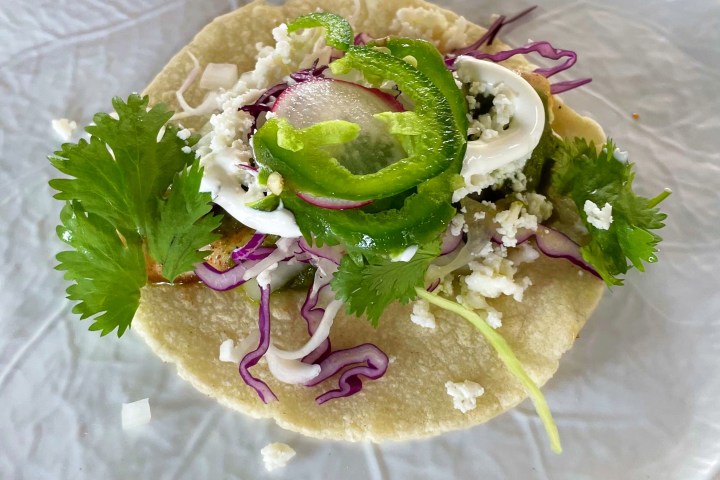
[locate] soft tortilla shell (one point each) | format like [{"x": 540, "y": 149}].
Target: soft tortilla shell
[{"x": 185, "y": 324}]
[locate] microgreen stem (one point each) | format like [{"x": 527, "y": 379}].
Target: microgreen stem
[{"x": 507, "y": 357}]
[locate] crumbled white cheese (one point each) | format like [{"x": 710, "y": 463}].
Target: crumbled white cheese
[
  {"x": 524, "y": 253},
  {"x": 478, "y": 176},
  {"x": 229, "y": 352},
  {"x": 479, "y": 215},
  {"x": 184, "y": 134},
  {"x": 457, "y": 225},
  {"x": 513, "y": 219},
  {"x": 64, "y": 128},
  {"x": 421, "y": 314},
  {"x": 418, "y": 22},
  {"x": 494, "y": 318},
  {"x": 493, "y": 276},
  {"x": 475, "y": 301},
  {"x": 135, "y": 414},
  {"x": 276, "y": 455},
  {"x": 464, "y": 395},
  {"x": 600, "y": 218},
  {"x": 186, "y": 149},
  {"x": 490, "y": 125},
  {"x": 486, "y": 281},
  {"x": 537, "y": 205}
]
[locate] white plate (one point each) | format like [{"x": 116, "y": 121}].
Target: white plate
[{"x": 635, "y": 399}]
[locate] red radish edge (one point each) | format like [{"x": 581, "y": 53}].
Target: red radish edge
[{"x": 332, "y": 203}]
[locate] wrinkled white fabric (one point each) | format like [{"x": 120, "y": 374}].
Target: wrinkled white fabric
[{"x": 636, "y": 398}]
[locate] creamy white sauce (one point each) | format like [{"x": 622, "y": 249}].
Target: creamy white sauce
[
  {"x": 511, "y": 146},
  {"x": 222, "y": 179}
]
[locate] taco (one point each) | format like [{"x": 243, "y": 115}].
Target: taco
[{"x": 517, "y": 244}]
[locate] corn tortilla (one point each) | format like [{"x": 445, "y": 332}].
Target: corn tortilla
[{"x": 185, "y": 324}]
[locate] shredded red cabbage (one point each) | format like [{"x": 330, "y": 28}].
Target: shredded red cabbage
[
  {"x": 372, "y": 362},
  {"x": 260, "y": 253},
  {"x": 252, "y": 358},
  {"x": 233, "y": 277},
  {"x": 561, "y": 87},
  {"x": 545, "y": 49},
  {"x": 489, "y": 37},
  {"x": 261, "y": 104},
  {"x": 222, "y": 281},
  {"x": 313, "y": 315},
  {"x": 242, "y": 253},
  {"x": 312, "y": 73}
]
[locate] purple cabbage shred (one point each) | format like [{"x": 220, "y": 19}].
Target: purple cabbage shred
[{"x": 252, "y": 358}]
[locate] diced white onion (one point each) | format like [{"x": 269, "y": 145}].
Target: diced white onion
[
  {"x": 208, "y": 105},
  {"x": 135, "y": 414},
  {"x": 219, "y": 75}
]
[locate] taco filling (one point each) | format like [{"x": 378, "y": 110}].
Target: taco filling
[{"x": 333, "y": 212}]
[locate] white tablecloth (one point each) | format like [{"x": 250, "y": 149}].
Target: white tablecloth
[{"x": 637, "y": 398}]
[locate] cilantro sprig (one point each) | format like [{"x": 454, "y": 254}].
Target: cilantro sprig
[
  {"x": 369, "y": 284},
  {"x": 133, "y": 192},
  {"x": 582, "y": 173}
]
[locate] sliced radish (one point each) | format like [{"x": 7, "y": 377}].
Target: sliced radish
[
  {"x": 315, "y": 101},
  {"x": 332, "y": 203},
  {"x": 558, "y": 245}
]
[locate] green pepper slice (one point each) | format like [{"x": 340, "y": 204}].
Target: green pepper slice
[
  {"x": 314, "y": 171},
  {"x": 425, "y": 213}
]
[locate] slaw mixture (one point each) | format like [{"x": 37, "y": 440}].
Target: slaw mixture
[{"x": 366, "y": 171}]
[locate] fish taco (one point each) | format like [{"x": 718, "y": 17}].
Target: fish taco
[{"x": 378, "y": 213}]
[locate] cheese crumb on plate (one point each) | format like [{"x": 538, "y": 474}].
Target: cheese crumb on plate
[
  {"x": 64, "y": 128},
  {"x": 276, "y": 455}
]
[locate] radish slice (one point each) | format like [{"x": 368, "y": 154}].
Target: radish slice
[
  {"x": 450, "y": 242},
  {"x": 332, "y": 203},
  {"x": 552, "y": 243},
  {"x": 314, "y": 101},
  {"x": 558, "y": 245}
]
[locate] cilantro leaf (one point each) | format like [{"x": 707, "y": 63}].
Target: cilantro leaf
[
  {"x": 369, "y": 285},
  {"x": 108, "y": 270},
  {"x": 184, "y": 225},
  {"x": 130, "y": 192},
  {"x": 538, "y": 166},
  {"x": 582, "y": 173},
  {"x": 124, "y": 169}
]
